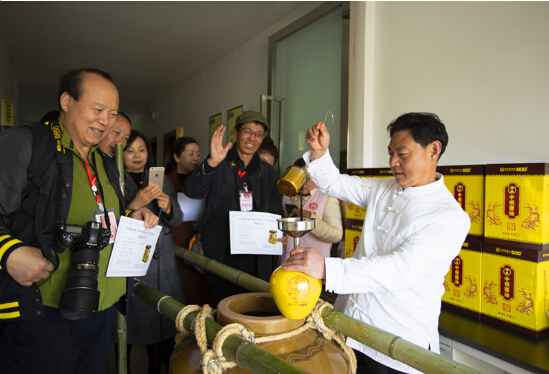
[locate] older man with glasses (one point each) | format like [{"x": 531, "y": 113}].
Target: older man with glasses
[{"x": 220, "y": 179}]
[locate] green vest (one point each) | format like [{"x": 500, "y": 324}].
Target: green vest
[{"x": 82, "y": 206}]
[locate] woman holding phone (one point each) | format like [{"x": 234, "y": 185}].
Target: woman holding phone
[{"x": 147, "y": 186}]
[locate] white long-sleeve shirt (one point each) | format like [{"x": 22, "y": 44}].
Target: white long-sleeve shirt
[{"x": 395, "y": 279}]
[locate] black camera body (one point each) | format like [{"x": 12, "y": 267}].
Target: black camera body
[{"x": 81, "y": 295}]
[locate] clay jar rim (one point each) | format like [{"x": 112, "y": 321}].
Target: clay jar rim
[{"x": 233, "y": 308}]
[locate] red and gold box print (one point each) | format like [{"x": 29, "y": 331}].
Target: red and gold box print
[
  {"x": 354, "y": 217},
  {"x": 466, "y": 184},
  {"x": 463, "y": 282},
  {"x": 351, "y": 240},
  {"x": 517, "y": 205},
  {"x": 515, "y": 288}
]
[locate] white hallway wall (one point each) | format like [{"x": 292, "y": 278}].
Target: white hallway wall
[
  {"x": 481, "y": 66},
  {"x": 238, "y": 79}
]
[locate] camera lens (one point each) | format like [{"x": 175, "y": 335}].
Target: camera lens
[{"x": 81, "y": 295}]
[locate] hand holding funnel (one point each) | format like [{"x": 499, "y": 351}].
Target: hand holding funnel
[{"x": 295, "y": 293}]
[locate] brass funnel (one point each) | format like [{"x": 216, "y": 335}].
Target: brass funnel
[{"x": 296, "y": 227}]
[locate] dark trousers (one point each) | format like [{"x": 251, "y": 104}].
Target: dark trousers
[
  {"x": 365, "y": 365},
  {"x": 158, "y": 354},
  {"x": 56, "y": 345}
]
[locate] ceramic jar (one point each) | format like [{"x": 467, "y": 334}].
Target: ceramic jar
[{"x": 308, "y": 350}]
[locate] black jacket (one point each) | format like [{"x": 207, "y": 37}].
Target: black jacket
[
  {"x": 144, "y": 325},
  {"x": 213, "y": 186},
  {"x": 15, "y": 153}
]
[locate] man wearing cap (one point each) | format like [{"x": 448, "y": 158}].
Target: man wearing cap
[{"x": 220, "y": 179}]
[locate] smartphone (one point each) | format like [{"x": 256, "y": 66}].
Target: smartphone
[
  {"x": 290, "y": 208},
  {"x": 156, "y": 176}
]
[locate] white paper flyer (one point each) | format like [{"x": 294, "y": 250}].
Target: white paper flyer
[
  {"x": 254, "y": 233},
  {"x": 133, "y": 249}
]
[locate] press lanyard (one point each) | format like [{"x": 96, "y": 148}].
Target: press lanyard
[
  {"x": 93, "y": 182},
  {"x": 241, "y": 173}
]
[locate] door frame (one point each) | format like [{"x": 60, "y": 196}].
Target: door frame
[{"x": 296, "y": 26}]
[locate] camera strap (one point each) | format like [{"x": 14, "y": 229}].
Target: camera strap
[
  {"x": 97, "y": 190},
  {"x": 93, "y": 181}
]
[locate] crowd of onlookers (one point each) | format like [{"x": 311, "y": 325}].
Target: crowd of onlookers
[{"x": 57, "y": 305}]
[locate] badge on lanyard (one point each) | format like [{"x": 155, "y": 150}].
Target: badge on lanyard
[
  {"x": 246, "y": 199},
  {"x": 99, "y": 216}
]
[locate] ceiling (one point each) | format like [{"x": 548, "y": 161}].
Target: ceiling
[{"x": 151, "y": 48}]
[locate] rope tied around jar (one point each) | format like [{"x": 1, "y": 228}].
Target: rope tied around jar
[{"x": 213, "y": 360}]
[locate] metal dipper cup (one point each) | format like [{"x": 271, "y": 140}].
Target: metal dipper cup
[
  {"x": 294, "y": 177},
  {"x": 292, "y": 181}
]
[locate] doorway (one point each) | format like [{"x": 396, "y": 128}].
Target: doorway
[{"x": 308, "y": 72}]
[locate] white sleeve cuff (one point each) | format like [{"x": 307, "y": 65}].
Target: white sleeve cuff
[{"x": 334, "y": 273}]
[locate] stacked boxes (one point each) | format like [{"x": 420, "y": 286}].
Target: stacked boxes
[
  {"x": 515, "y": 261},
  {"x": 466, "y": 184},
  {"x": 352, "y": 236},
  {"x": 515, "y": 288},
  {"x": 517, "y": 205},
  {"x": 382, "y": 172},
  {"x": 502, "y": 272},
  {"x": 354, "y": 217},
  {"x": 462, "y": 284}
]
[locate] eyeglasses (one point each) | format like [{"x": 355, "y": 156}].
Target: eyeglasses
[{"x": 249, "y": 132}]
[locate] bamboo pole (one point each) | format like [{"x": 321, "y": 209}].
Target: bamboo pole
[
  {"x": 246, "y": 354},
  {"x": 119, "y": 156},
  {"x": 390, "y": 345},
  {"x": 233, "y": 275},
  {"x": 122, "y": 326}
]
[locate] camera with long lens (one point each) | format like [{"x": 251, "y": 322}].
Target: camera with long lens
[{"x": 81, "y": 295}]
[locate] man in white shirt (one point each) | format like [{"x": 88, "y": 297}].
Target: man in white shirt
[{"x": 412, "y": 230}]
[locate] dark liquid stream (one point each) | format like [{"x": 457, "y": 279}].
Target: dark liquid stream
[{"x": 301, "y": 205}]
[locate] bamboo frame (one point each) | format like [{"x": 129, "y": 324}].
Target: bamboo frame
[
  {"x": 246, "y": 354},
  {"x": 386, "y": 343}
]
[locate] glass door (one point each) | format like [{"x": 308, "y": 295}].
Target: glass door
[{"x": 308, "y": 74}]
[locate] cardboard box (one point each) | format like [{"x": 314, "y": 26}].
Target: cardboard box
[
  {"x": 466, "y": 184},
  {"x": 463, "y": 281},
  {"x": 517, "y": 205},
  {"x": 382, "y": 172},
  {"x": 353, "y": 211},
  {"x": 353, "y": 230},
  {"x": 364, "y": 173},
  {"x": 354, "y": 216},
  {"x": 515, "y": 284}
]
